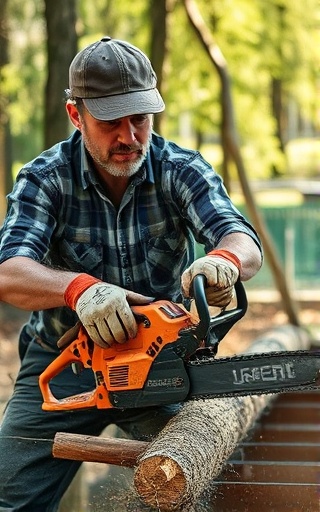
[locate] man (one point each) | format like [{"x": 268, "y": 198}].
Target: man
[{"x": 99, "y": 222}]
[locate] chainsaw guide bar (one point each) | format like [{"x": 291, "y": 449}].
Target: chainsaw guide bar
[{"x": 256, "y": 374}]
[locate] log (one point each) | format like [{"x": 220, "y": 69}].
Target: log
[
  {"x": 173, "y": 470},
  {"x": 122, "y": 452},
  {"x": 190, "y": 452}
]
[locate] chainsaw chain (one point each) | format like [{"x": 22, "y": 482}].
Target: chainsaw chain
[{"x": 255, "y": 393}]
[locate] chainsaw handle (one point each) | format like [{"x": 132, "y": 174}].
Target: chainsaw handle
[{"x": 213, "y": 329}]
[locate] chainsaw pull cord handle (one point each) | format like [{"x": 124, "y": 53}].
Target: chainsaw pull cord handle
[{"x": 212, "y": 329}]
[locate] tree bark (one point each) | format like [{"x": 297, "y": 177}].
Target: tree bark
[
  {"x": 158, "y": 20},
  {"x": 5, "y": 139},
  {"x": 277, "y": 110},
  {"x": 193, "y": 448},
  {"x": 231, "y": 148},
  {"x": 108, "y": 450},
  {"x": 61, "y": 48}
]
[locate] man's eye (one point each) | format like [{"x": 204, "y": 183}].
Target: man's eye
[
  {"x": 140, "y": 119},
  {"x": 113, "y": 122},
  {"x": 137, "y": 120}
]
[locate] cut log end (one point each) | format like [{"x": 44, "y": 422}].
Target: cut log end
[{"x": 160, "y": 481}]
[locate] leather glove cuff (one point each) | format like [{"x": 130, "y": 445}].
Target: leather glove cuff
[
  {"x": 227, "y": 255},
  {"x": 76, "y": 288}
]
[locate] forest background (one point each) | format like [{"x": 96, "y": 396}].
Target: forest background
[{"x": 271, "y": 49}]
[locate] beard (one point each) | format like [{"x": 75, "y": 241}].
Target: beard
[{"x": 120, "y": 169}]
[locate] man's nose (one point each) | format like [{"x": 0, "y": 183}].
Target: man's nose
[{"x": 127, "y": 133}]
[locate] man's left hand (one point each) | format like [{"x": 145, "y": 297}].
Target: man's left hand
[{"x": 221, "y": 275}]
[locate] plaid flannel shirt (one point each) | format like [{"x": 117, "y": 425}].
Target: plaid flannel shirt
[{"x": 60, "y": 215}]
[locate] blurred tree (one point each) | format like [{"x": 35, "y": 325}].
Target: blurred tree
[
  {"x": 158, "y": 38},
  {"x": 5, "y": 139},
  {"x": 24, "y": 79},
  {"x": 228, "y": 131},
  {"x": 121, "y": 20},
  {"x": 61, "y": 48},
  {"x": 276, "y": 83},
  {"x": 291, "y": 58},
  {"x": 143, "y": 23},
  {"x": 229, "y": 136},
  {"x": 248, "y": 33}
]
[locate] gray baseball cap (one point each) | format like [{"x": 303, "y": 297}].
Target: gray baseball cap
[{"x": 115, "y": 79}]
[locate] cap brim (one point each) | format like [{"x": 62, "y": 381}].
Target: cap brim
[{"x": 108, "y": 108}]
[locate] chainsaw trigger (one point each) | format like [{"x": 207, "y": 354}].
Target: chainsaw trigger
[
  {"x": 69, "y": 336},
  {"x": 142, "y": 319},
  {"x": 77, "y": 367}
]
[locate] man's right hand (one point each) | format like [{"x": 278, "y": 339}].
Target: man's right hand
[
  {"x": 106, "y": 315},
  {"x": 104, "y": 311}
]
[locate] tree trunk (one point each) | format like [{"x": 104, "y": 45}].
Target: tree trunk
[
  {"x": 278, "y": 114},
  {"x": 5, "y": 139},
  {"x": 158, "y": 19},
  {"x": 277, "y": 110},
  {"x": 231, "y": 147},
  {"x": 61, "y": 48}
]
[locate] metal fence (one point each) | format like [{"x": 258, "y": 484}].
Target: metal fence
[{"x": 296, "y": 234}]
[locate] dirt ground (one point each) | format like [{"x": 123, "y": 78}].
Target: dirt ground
[{"x": 260, "y": 317}]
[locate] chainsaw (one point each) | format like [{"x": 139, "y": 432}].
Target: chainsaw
[{"x": 173, "y": 358}]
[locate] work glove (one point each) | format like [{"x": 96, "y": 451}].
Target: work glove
[
  {"x": 221, "y": 269},
  {"x": 103, "y": 309}
]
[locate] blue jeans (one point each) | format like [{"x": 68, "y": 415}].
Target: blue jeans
[{"x": 31, "y": 480}]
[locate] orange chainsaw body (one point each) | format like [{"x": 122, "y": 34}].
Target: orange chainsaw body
[{"x": 121, "y": 367}]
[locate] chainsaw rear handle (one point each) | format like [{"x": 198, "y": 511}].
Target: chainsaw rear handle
[{"x": 213, "y": 329}]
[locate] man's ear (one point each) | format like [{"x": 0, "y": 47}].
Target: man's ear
[{"x": 73, "y": 114}]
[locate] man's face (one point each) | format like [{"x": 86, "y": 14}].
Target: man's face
[{"x": 117, "y": 147}]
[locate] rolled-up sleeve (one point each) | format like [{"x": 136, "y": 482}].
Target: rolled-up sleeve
[
  {"x": 31, "y": 217},
  {"x": 205, "y": 204}
]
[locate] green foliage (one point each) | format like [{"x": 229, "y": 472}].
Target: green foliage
[
  {"x": 122, "y": 20},
  {"x": 192, "y": 85},
  {"x": 23, "y": 78},
  {"x": 260, "y": 40},
  {"x": 304, "y": 158}
]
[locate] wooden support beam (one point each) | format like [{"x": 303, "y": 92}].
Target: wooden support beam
[{"x": 121, "y": 452}]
